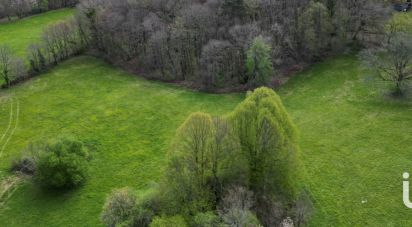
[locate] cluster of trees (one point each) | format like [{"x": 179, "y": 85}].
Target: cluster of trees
[
  {"x": 238, "y": 170},
  {"x": 59, "y": 42},
  {"x": 208, "y": 41},
  {"x": 23, "y": 8}
]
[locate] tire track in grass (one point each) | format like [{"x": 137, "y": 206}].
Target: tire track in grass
[
  {"x": 10, "y": 121},
  {"x": 14, "y": 129},
  {"x": 8, "y": 186}
]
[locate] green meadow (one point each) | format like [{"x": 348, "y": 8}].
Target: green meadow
[
  {"x": 356, "y": 140},
  {"x": 20, "y": 34}
]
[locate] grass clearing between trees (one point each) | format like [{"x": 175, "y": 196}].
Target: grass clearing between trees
[
  {"x": 129, "y": 122},
  {"x": 20, "y": 34},
  {"x": 356, "y": 141}
]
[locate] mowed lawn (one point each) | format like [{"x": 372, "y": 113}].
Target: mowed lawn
[
  {"x": 356, "y": 141},
  {"x": 20, "y": 34}
]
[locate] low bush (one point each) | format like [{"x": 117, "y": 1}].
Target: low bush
[
  {"x": 26, "y": 165},
  {"x": 63, "y": 164},
  {"x": 235, "y": 208},
  {"x": 27, "y": 162}
]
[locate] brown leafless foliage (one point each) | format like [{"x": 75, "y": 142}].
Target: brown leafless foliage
[
  {"x": 62, "y": 40},
  {"x": 392, "y": 61},
  {"x": 170, "y": 39}
]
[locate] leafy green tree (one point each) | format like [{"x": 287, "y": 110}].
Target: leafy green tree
[
  {"x": 269, "y": 141},
  {"x": 5, "y": 64},
  {"x": 259, "y": 62},
  {"x": 189, "y": 167},
  {"x": 63, "y": 164},
  {"x": 202, "y": 162}
]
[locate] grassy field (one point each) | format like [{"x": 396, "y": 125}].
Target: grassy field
[
  {"x": 130, "y": 120},
  {"x": 356, "y": 141},
  {"x": 20, "y": 34}
]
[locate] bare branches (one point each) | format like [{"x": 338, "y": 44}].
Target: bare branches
[
  {"x": 392, "y": 62},
  {"x": 168, "y": 39}
]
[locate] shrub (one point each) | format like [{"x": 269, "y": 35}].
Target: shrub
[
  {"x": 235, "y": 208},
  {"x": 26, "y": 165},
  {"x": 63, "y": 164},
  {"x": 119, "y": 208},
  {"x": 303, "y": 209},
  {"x": 173, "y": 221}
]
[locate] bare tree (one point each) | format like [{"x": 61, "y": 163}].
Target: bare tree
[
  {"x": 38, "y": 62},
  {"x": 216, "y": 63},
  {"x": 392, "y": 62},
  {"x": 303, "y": 209},
  {"x": 362, "y": 19},
  {"x": 7, "y": 8},
  {"x": 22, "y": 7},
  {"x": 62, "y": 40},
  {"x": 235, "y": 208}
]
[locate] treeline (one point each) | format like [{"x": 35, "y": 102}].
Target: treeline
[
  {"x": 237, "y": 170},
  {"x": 23, "y": 8},
  {"x": 59, "y": 42},
  {"x": 206, "y": 42}
]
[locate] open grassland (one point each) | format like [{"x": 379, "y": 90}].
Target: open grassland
[
  {"x": 356, "y": 141},
  {"x": 129, "y": 121},
  {"x": 20, "y": 34}
]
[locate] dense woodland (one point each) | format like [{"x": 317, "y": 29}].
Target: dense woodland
[{"x": 208, "y": 43}]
